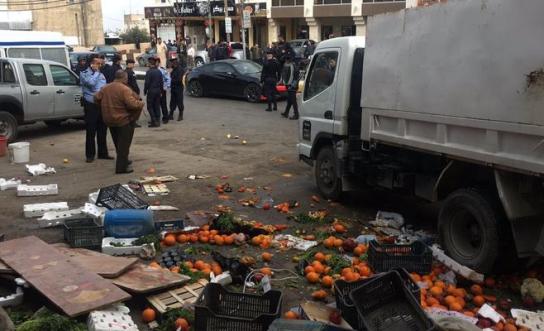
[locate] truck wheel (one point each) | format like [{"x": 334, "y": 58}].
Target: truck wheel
[
  {"x": 8, "y": 126},
  {"x": 328, "y": 183},
  {"x": 470, "y": 226}
]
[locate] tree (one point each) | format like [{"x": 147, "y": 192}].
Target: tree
[{"x": 129, "y": 37}]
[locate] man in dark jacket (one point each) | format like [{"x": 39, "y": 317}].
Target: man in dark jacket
[
  {"x": 176, "y": 87},
  {"x": 289, "y": 77},
  {"x": 270, "y": 76},
  {"x": 153, "y": 88},
  {"x": 110, "y": 70},
  {"x": 285, "y": 50},
  {"x": 132, "y": 83},
  {"x": 81, "y": 65}
]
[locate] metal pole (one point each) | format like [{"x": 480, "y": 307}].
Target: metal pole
[
  {"x": 243, "y": 31},
  {"x": 210, "y": 22},
  {"x": 226, "y": 11}
]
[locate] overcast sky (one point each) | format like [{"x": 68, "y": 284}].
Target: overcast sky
[{"x": 113, "y": 11}]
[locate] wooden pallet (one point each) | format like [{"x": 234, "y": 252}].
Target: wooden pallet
[{"x": 177, "y": 298}]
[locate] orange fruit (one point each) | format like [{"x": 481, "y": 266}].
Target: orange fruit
[
  {"x": 459, "y": 292},
  {"x": 318, "y": 267},
  {"x": 346, "y": 270},
  {"x": 148, "y": 315},
  {"x": 476, "y": 289},
  {"x": 182, "y": 238},
  {"x": 478, "y": 300},
  {"x": 205, "y": 227},
  {"x": 219, "y": 240},
  {"x": 432, "y": 301},
  {"x": 360, "y": 250},
  {"x": 182, "y": 324},
  {"x": 352, "y": 276},
  {"x": 461, "y": 301},
  {"x": 216, "y": 269},
  {"x": 265, "y": 243},
  {"x": 204, "y": 239},
  {"x": 319, "y": 257},
  {"x": 175, "y": 269},
  {"x": 188, "y": 264},
  {"x": 213, "y": 232},
  {"x": 267, "y": 257},
  {"x": 193, "y": 238},
  {"x": 455, "y": 306},
  {"x": 340, "y": 228},
  {"x": 266, "y": 271},
  {"x": 510, "y": 327},
  {"x": 154, "y": 265},
  {"x": 436, "y": 291},
  {"x": 291, "y": 315},
  {"x": 469, "y": 313},
  {"x": 257, "y": 240},
  {"x": 327, "y": 281},
  {"x": 365, "y": 271},
  {"x": 490, "y": 282},
  {"x": 312, "y": 277},
  {"x": 170, "y": 240},
  {"x": 415, "y": 277},
  {"x": 309, "y": 269},
  {"x": 338, "y": 242},
  {"x": 329, "y": 242},
  {"x": 319, "y": 295},
  {"x": 206, "y": 271},
  {"x": 440, "y": 283},
  {"x": 448, "y": 300},
  {"x": 199, "y": 264},
  {"x": 229, "y": 240}
]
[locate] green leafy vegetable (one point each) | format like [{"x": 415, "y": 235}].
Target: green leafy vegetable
[
  {"x": 169, "y": 318},
  {"x": 194, "y": 275},
  {"x": 47, "y": 320}
]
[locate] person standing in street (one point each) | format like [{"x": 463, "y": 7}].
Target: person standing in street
[
  {"x": 121, "y": 108},
  {"x": 81, "y": 65},
  {"x": 270, "y": 76},
  {"x": 92, "y": 80},
  {"x": 110, "y": 69},
  {"x": 166, "y": 87},
  {"x": 162, "y": 50},
  {"x": 176, "y": 94},
  {"x": 132, "y": 82},
  {"x": 153, "y": 87},
  {"x": 289, "y": 77}
]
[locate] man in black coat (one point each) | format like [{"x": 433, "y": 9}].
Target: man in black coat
[
  {"x": 176, "y": 88},
  {"x": 153, "y": 88},
  {"x": 132, "y": 83},
  {"x": 81, "y": 65},
  {"x": 290, "y": 77},
  {"x": 269, "y": 78},
  {"x": 110, "y": 70}
]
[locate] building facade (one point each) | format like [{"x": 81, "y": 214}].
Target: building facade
[
  {"x": 76, "y": 20},
  {"x": 135, "y": 21}
]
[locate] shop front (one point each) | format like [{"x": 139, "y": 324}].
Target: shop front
[{"x": 164, "y": 24}]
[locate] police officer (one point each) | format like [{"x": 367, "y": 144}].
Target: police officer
[
  {"x": 110, "y": 69},
  {"x": 166, "y": 86},
  {"x": 153, "y": 88},
  {"x": 289, "y": 77},
  {"x": 81, "y": 65},
  {"x": 92, "y": 80},
  {"x": 132, "y": 83},
  {"x": 270, "y": 76},
  {"x": 176, "y": 96}
]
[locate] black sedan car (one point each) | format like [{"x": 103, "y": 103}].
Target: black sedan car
[{"x": 233, "y": 78}]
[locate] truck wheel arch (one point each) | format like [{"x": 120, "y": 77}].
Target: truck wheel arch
[{"x": 14, "y": 107}]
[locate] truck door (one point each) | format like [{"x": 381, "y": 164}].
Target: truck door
[
  {"x": 67, "y": 92},
  {"x": 38, "y": 93},
  {"x": 320, "y": 91}
]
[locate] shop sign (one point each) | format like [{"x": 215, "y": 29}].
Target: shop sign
[
  {"x": 202, "y": 8},
  {"x": 158, "y": 12},
  {"x": 228, "y": 25},
  {"x": 255, "y": 9},
  {"x": 246, "y": 19}
]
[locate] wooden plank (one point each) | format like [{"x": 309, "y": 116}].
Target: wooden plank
[
  {"x": 4, "y": 269},
  {"x": 143, "y": 279},
  {"x": 177, "y": 298},
  {"x": 69, "y": 286},
  {"x": 105, "y": 265}
]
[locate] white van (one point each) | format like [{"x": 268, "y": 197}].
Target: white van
[{"x": 39, "y": 45}]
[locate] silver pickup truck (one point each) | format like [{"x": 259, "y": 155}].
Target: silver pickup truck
[{"x": 36, "y": 90}]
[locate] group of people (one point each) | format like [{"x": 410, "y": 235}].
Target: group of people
[
  {"x": 279, "y": 67},
  {"x": 110, "y": 100}
]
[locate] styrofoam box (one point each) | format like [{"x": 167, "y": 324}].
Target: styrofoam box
[
  {"x": 54, "y": 218},
  {"x": 128, "y": 249},
  {"x": 115, "y": 319},
  {"x": 37, "y": 190},
  {"x": 38, "y": 209}
]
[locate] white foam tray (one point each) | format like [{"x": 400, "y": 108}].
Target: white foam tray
[
  {"x": 38, "y": 209},
  {"x": 37, "y": 190},
  {"x": 116, "y": 318},
  {"x": 54, "y": 218},
  {"x": 107, "y": 248}
]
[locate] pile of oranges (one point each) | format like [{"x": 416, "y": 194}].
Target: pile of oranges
[
  {"x": 198, "y": 265},
  {"x": 333, "y": 242},
  {"x": 263, "y": 241},
  {"x": 203, "y": 235}
]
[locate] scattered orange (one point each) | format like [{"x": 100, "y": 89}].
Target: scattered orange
[
  {"x": 340, "y": 228},
  {"x": 360, "y": 250},
  {"x": 309, "y": 269},
  {"x": 216, "y": 269},
  {"x": 182, "y": 324},
  {"x": 352, "y": 276},
  {"x": 205, "y": 227},
  {"x": 478, "y": 300},
  {"x": 448, "y": 300},
  {"x": 318, "y": 267},
  {"x": 312, "y": 277},
  {"x": 266, "y": 271},
  {"x": 431, "y": 301},
  {"x": 204, "y": 239},
  {"x": 319, "y": 295},
  {"x": 436, "y": 291},
  {"x": 175, "y": 269},
  {"x": 257, "y": 240},
  {"x": 415, "y": 277},
  {"x": 170, "y": 240},
  {"x": 459, "y": 292},
  {"x": 229, "y": 240},
  {"x": 346, "y": 270},
  {"x": 182, "y": 238},
  {"x": 365, "y": 271},
  {"x": 193, "y": 238},
  {"x": 199, "y": 264},
  {"x": 267, "y": 257},
  {"x": 476, "y": 289},
  {"x": 213, "y": 232},
  {"x": 206, "y": 271},
  {"x": 510, "y": 327},
  {"x": 219, "y": 240},
  {"x": 154, "y": 265},
  {"x": 319, "y": 257},
  {"x": 188, "y": 264},
  {"x": 440, "y": 283},
  {"x": 455, "y": 306},
  {"x": 291, "y": 315},
  {"x": 329, "y": 242},
  {"x": 338, "y": 242},
  {"x": 327, "y": 281},
  {"x": 148, "y": 315}
]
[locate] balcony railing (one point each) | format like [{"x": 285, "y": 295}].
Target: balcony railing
[
  {"x": 287, "y": 3},
  {"x": 331, "y": 2}
]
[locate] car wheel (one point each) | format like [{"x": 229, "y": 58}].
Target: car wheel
[
  {"x": 195, "y": 89},
  {"x": 199, "y": 62},
  {"x": 470, "y": 226},
  {"x": 326, "y": 177},
  {"x": 53, "y": 123},
  {"x": 8, "y": 126},
  {"x": 252, "y": 92}
]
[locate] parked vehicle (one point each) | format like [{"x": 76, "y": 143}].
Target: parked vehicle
[
  {"x": 75, "y": 56},
  {"x": 143, "y": 59},
  {"x": 235, "y": 78},
  {"x": 34, "y": 45},
  {"x": 300, "y": 47},
  {"x": 108, "y": 51},
  {"x": 463, "y": 127},
  {"x": 201, "y": 58},
  {"x": 237, "y": 51},
  {"x": 36, "y": 90}
]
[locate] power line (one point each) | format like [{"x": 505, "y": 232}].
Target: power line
[{"x": 49, "y": 7}]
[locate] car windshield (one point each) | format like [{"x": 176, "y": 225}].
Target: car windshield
[
  {"x": 106, "y": 49},
  {"x": 296, "y": 43},
  {"x": 247, "y": 67}
]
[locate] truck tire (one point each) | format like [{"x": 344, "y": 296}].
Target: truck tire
[
  {"x": 470, "y": 226},
  {"x": 327, "y": 180},
  {"x": 8, "y": 126}
]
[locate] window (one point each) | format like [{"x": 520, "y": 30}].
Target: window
[
  {"x": 8, "y": 75},
  {"x": 322, "y": 72},
  {"x": 247, "y": 67},
  {"x": 62, "y": 77},
  {"x": 54, "y": 54},
  {"x": 24, "y": 53},
  {"x": 326, "y": 32},
  {"x": 222, "y": 67},
  {"x": 35, "y": 74},
  {"x": 348, "y": 30}
]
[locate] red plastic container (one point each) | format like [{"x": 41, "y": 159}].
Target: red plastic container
[
  {"x": 3, "y": 145},
  {"x": 281, "y": 88}
]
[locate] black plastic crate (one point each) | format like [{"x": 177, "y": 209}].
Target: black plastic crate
[
  {"x": 118, "y": 197},
  {"x": 217, "y": 309},
  {"x": 83, "y": 233},
  {"x": 416, "y": 257},
  {"x": 346, "y": 305},
  {"x": 385, "y": 304}
]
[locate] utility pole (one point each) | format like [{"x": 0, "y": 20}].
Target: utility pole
[
  {"x": 243, "y": 30},
  {"x": 210, "y": 22},
  {"x": 77, "y": 29},
  {"x": 84, "y": 23},
  {"x": 226, "y": 10}
]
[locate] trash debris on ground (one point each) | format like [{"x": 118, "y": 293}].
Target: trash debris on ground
[
  {"x": 318, "y": 312},
  {"x": 39, "y": 209},
  {"x": 83, "y": 233},
  {"x": 56, "y": 218},
  {"x": 285, "y": 241},
  {"x": 388, "y": 220},
  {"x": 37, "y": 190},
  {"x": 120, "y": 246},
  {"x": 154, "y": 180},
  {"x": 115, "y": 318},
  {"x": 39, "y": 169},
  {"x": 163, "y": 208},
  {"x": 9, "y": 183},
  {"x": 152, "y": 190},
  {"x": 181, "y": 297},
  {"x": 16, "y": 298},
  {"x": 141, "y": 279},
  {"x": 416, "y": 257},
  {"x": 528, "y": 319},
  {"x": 462, "y": 270},
  {"x": 119, "y": 197},
  {"x": 195, "y": 177}
]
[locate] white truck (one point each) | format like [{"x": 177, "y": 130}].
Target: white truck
[
  {"x": 36, "y": 90},
  {"x": 446, "y": 103}
]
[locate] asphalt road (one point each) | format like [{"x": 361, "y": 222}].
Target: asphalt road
[{"x": 198, "y": 145}]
